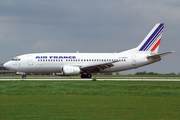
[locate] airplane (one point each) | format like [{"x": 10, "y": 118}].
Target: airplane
[{"x": 84, "y": 64}]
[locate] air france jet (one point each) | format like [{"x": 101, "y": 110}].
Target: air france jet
[{"x": 67, "y": 64}]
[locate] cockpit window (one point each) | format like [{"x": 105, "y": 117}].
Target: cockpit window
[{"x": 16, "y": 59}]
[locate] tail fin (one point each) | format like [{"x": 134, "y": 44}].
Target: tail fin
[{"x": 152, "y": 40}]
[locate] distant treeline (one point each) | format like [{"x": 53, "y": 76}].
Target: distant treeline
[{"x": 152, "y": 73}]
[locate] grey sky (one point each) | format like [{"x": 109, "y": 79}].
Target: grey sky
[{"x": 32, "y": 26}]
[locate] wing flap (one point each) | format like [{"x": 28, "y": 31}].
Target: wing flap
[{"x": 97, "y": 67}]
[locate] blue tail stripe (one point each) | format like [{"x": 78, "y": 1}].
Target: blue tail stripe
[
  {"x": 153, "y": 39},
  {"x": 143, "y": 48},
  {"x": 145, "y": 44},
  {"x": 155, "y": 33}
]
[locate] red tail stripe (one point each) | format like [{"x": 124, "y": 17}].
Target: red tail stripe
[{"x": 156, "y": 45}]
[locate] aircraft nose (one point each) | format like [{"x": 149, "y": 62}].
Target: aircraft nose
[{"x": 7, "y": 65}]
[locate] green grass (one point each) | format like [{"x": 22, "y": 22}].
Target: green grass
[
  {"x": 89, "y": 100},
  {"x": 97, "y": 76}
]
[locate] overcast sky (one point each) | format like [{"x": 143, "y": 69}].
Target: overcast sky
[{"x": 33, "y": 26}]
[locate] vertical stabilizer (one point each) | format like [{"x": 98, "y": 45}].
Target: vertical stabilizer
[{"x": 152, "y": 40}]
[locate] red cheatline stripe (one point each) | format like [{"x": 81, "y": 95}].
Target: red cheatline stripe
[{"x": 156, "y": 45}]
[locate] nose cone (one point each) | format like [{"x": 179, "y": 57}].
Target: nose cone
[
  {"x": 11, "y": 65},
  {"x": 7, "y": 65}
]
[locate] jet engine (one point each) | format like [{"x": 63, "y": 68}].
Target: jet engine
[{"x": 68, "y": 70}]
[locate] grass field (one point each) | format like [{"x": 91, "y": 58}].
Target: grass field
[
  {"x": 89, "y": 100},
  {"x": 97, "y": 76}
]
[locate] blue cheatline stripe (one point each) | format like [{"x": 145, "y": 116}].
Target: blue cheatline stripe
[
  {"x": 154, "y": 38},
  {"x": 151, "y": 38},
  {"x": 154, "y": 41}
]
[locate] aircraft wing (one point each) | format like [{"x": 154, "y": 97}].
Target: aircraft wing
[
  {"x": 97, "y": 67},
  {"x": 160, "y": 55}
]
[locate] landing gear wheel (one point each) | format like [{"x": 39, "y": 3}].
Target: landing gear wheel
[
  {"x": 83, "y": 76},
  {"x": 24, "y": 77},
  {"x": 86, "y": 75},
  {"x": 89, "y": 75}
]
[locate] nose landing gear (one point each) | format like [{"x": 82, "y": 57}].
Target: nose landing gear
[{"x": 24, "y": 77}]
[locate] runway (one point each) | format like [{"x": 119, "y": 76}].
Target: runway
[{"x": 34, "y": 79}]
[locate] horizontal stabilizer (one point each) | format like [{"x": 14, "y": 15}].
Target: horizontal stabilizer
[{"x": 160, "y": 55}]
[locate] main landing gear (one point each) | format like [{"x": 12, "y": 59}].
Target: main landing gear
[{"x": 86, "y": 75}]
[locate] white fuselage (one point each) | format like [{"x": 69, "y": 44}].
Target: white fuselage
[{"x": 54, "y": 62}]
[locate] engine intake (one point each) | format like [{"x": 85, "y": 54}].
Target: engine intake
[{"x": 70, "y": 70}]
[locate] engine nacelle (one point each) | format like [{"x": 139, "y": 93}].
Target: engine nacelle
[{"x": 70, "y": 70}]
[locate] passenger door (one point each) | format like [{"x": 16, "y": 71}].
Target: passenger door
[
  {"x": 30, "y": 60},
  {"x": 133, "y": 60}
]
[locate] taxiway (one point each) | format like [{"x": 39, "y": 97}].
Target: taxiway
[{"x": 34, "y": 79}]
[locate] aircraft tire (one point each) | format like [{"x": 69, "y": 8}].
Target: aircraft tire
[
  {"x": 83, "y": 76},
  {"x": 86, "y": 75},
  {"x": 24, "y": 77},
  {"x": 89, "y": 75}
]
